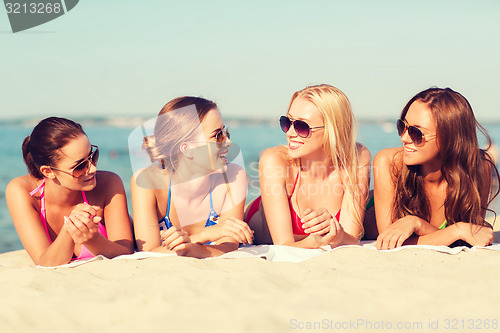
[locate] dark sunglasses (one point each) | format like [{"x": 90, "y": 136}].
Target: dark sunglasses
[
  {"x": 84, "y": 166},
  {"x": 301, "y": 127},
  {"x": 221, "y": 136},
  {"x": 415, "y": 133}
]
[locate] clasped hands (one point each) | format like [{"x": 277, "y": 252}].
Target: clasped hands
[
  {"x": 83, "y": 223},
  {"x": 179, "y": 241},
  {"x": 322, "y": 227}
]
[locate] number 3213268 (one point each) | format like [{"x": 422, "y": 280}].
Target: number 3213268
[{"x": 33, "y": 8}]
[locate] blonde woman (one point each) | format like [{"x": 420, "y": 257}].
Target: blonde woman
[
  {"x": 314, "y": 190},
  {"x": 190, "y": 200}
]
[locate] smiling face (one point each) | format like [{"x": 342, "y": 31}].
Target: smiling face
[
  {"x": 72, "y": 154},
  {"x": 420, "y": 116},
  {"x": 311, "y": 146},
  {"x": 212, "y": 127}
]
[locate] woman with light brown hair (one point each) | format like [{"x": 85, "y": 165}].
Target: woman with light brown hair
[
  {"x": 435, "y": 190},
  {"x": 314, "y": 190},
  {"x": 190, "y": 200}
]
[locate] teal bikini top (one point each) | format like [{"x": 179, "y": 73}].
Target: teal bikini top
[{"x": 165, "y": 222}]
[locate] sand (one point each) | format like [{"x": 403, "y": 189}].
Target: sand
[{"x": 349, "y": 290}]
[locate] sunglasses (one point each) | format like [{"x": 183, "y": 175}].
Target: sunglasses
[
  {"x": 415, "y": 133},
  {"x": 84, "y": 166},
  {"x": 301, "y": 127},
  {"x": 221, "y": 136}
]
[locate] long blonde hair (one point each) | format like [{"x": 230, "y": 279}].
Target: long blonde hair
[{"x": 339, "y": 141}]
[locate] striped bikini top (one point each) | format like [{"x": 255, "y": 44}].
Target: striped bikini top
[{"x": 84, "y": 253}]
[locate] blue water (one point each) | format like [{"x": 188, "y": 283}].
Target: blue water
[{"x": 112, "y": 141}]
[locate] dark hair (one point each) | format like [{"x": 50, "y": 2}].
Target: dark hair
[
  {"x": 50, "y": 135},
  {"x": 171, "y": 129},
  {"x": 466, "y": 168}
]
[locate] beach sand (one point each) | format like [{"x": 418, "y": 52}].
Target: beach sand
[{"x": 345, "y": 290}]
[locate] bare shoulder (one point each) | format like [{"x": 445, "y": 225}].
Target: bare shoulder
[
  {"x": 274, "y": 156},
  {"x": 150, "y": 177},
  {"x": 107, "y": 181},
  {"x": 22, "y": 184},
  {"x": 387, "y": 156},
  {"x": 364, "y": 154}
]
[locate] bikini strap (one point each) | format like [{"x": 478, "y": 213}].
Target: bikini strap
[
  {"x": 43, "y": 216},
  {"x": 169, "y": 186},
  {"x": 295, "y": 183},
  {"x": 84, "y": 196},
  {"x": 169, "y": 195},
  {"x": 211, "y": 204},
  {"x": 40, "y": 188}
]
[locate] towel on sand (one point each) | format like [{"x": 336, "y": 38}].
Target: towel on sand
[{"x": 282, "y": 253}]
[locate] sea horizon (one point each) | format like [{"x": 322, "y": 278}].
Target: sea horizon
[{"x": 136, "y": 120}]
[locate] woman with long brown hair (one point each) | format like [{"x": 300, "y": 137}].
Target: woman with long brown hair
[{"x": 435, "y": 190}]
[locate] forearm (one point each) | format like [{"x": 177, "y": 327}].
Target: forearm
[
  {"x": 348, "y": 239},
  {"x": 309, "y": 242},
  {"x": 100, "y": 245},
  {"x": 60, "y": 252},
  {"x": 201, "y": 251},
  {"x": 446, "y": 236},
  {"x": 204, "y": 236},
  {"x": 423, "y": 227}
]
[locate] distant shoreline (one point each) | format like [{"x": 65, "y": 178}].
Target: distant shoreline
[{"x": 134, "y": 121}]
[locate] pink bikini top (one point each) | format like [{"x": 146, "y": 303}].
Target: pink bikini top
[
  {"x": 84, "y": 253},
  {"x": 296, "y": 223}
]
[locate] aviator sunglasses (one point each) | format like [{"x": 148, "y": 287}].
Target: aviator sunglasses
[
  {"x": 415, "y": 133},
  {"x": 84, "y": 166},
  {"x": 301, "y": 127},
  {"x": 220, "y": 137}
]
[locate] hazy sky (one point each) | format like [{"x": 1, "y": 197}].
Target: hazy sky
[{"x": 124, "y": 57}]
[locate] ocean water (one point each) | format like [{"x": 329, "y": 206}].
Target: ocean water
[{"x": 252, "y": 138}]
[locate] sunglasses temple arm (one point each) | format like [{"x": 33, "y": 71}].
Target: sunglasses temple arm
[{"x": 229, "y": 189}]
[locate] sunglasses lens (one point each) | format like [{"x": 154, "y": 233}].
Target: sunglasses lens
[
  {"x": 81, "y": 169},
  {"x": 285, "y": 123},
  {"x": 95, "y": 157},
  {"x": 415, "y": 135},
  {"x": 221, "y": 136},
  {"x": 302, "y": 129},
  {"x": 400, "y": 125}
]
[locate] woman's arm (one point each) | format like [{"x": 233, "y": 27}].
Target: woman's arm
[
  {"x": 273, "y": 170},
  {"x": 352, "y": 230},
  {"x": 475, "y": 235},
  {"x": 231, "y": 224},
  {"x": 384, "y": 190},
  {"x": 145, "y": 216},
  {"x": 116, "y": 219},
  {"x": 30, "y": 229}
]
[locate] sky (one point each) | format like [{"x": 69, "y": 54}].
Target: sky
[{"x": 127, "y": 58}]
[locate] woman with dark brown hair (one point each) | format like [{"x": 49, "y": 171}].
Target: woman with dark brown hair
[
  {"x": 435, "y": 190},
  {"x": 65, "y": 208}
]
